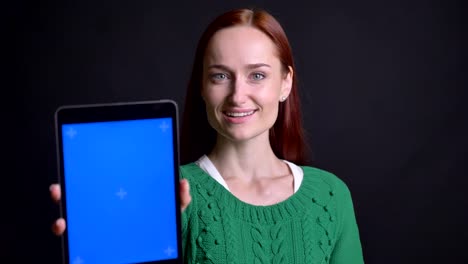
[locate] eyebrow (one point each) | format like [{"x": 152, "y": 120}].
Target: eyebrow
[{"x": 249, "y": 66}]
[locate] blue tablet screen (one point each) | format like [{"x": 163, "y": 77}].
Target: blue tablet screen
[{"x": 119, "y": 183}]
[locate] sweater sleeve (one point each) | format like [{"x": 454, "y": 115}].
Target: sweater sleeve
[
  {"x": 186, "y": 243},
  {"x": 188, "y": 221},
  {"x": 185, "y": 213},
  {"x": 348, "y": 245}
]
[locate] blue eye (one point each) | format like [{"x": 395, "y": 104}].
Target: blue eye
[
  {"x": 258, "y": 76},
  {"x": 219, "y": 76}
]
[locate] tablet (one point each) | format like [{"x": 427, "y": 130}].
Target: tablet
[{"x": 119, "y": 173}]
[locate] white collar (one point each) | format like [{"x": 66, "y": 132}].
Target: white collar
[{"x": 205, "y": 164}]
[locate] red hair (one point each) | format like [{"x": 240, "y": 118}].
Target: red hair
[{"x": 286, "y": 135}]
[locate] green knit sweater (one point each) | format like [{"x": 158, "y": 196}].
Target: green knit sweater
[{"x": 314, "y": 225}]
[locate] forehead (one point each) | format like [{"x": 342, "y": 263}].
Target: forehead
[{"x": 240, "y": 44}]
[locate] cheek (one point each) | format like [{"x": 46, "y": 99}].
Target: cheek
[
  {"x": 207, "y": 96},
  {"x": 211, "y": 101},
  {"x": 270, "y": 94},
  {"x": 213, "y": 97},
  {"x": 211, "y": 104}
]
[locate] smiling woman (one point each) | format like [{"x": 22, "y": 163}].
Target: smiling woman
[
  {"x": 243, "y": 81},
  {"x": 252, "y": 197},
  {"x": 250, "y": 201},
  {"x": 286, "y": 135}
]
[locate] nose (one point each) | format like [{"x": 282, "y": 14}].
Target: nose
[{"x": 238, "y": 92}]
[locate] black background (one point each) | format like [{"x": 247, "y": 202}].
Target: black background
[{"x": 382, "y": 85}]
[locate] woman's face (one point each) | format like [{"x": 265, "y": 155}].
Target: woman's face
[{"x": 243, "y": 82}]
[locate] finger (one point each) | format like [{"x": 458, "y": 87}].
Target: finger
[
  {"x": 55, "y": 192},
  {"x": 59, "y": 227},
  {"x": 185, "y": 197}
]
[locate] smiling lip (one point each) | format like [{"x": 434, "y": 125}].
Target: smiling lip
[{"x": 238, "y": 116}]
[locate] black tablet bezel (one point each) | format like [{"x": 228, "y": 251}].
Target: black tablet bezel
[{"x": 72, "y": 114}]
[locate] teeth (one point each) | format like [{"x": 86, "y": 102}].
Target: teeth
[{"x": 240, "y": 114}]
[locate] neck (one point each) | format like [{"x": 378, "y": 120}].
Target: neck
[{"x": 249, "y": 159}]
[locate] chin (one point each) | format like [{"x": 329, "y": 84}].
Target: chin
[
  {"x": 242, "y": 136},
  {"x": 240, "y": 132}
]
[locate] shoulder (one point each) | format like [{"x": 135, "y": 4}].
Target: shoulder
[
  {"x": 200, "y": 182},
  {"x": 331, "y": 192},
  {"x": 326, "y": 180},
  {"x": 190, "y": 171}
]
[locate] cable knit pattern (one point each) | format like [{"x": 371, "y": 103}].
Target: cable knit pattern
[
  {"x": 231, "y": 239},
  {"x": 278, "y": 236},
  {"x": 260, "y": 246},
  {"x": 315, "y": 225}
]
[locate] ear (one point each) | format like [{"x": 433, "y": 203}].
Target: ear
[{"x": 286, "y": 84}]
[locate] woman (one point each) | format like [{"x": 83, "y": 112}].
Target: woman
[{"x": 250, "y": 201}]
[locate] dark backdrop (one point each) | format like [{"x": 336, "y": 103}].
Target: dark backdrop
[{"x": 382, "y": 86}]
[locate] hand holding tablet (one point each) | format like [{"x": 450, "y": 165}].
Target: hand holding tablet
[{"x": 118, "y": 167}]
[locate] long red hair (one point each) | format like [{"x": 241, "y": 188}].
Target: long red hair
[{"x": 286, "y": 135}]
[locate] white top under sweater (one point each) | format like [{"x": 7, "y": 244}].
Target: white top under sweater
[{"x": 205, "y": 164}]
